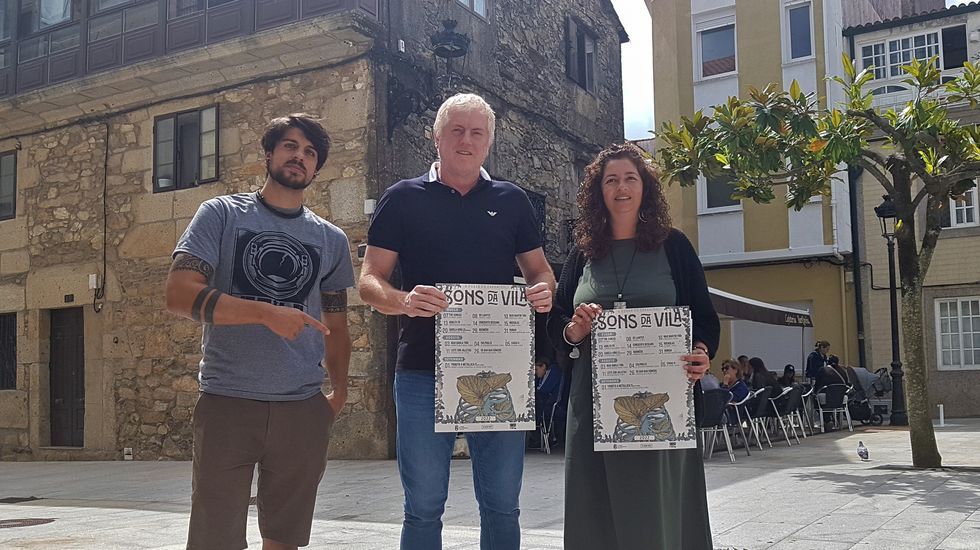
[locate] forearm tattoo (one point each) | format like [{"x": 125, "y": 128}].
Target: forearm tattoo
[
  {"x": 334, "y": 302},
  {"x": 203, "y": 308},
  {"x": 212, "y": 303},
  {"x": 199, "y": 302},
  {"x": 187, "y": 262}
]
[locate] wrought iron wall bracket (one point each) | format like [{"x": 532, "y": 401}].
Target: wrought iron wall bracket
[{"x": 404, "y": 101}]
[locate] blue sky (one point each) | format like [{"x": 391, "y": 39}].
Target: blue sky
[{"x": 637, "y": 68}]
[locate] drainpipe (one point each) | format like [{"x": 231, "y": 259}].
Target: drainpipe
[
  {"x": 853, "y": 173},
  {"x": 845, "y": 347}
]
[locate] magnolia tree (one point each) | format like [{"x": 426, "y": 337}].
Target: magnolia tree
[{"x": 919, "y": 155}]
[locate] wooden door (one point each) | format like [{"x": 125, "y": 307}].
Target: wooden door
[{"x": 67, "y": 378}]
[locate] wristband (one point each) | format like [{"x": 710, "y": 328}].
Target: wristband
[{"x": 565, "y": 337}]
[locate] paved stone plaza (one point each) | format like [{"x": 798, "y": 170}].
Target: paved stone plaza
[{"x": 815, "y": 496}]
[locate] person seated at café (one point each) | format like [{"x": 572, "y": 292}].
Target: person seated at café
[
  {"x": 789, "y": 376},
  {"x": 831, "y": 373},
  {"x": 744, "y": 368},
  {"x": 762, "y": 378},
  {"x": 547, "y": 386},
  {"x": 710, "y": 382},
  {"x": 731, "y": 380},
  {"x": 547, "y": 392}
]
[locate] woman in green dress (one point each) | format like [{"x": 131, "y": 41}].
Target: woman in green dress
[{"x": 626, "y": 251}]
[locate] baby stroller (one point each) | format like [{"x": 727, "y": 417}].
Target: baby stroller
[
  {"x": 858, "y": 403},
  {"x": 880, "y": 397}
]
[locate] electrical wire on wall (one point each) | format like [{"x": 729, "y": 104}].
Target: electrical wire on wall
[{"x": 100, "y": 291}]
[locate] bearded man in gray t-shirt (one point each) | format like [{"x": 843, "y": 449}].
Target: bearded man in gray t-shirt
[{"x": 268, "y": 278}]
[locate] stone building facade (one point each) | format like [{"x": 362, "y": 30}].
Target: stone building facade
[{"x": 91, "y": 372}]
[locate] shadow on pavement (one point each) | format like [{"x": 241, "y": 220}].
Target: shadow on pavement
[{"x": 934, "y": 489}]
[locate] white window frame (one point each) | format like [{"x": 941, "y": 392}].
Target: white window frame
[
  {"x": 894, "y": 70},
  {"x": 959, "y": 300},
  {"x": 886, "y": 41},
  {"x": 703, "y": 208},
  {"x": 469, "y": 5},
  {"x": 787, "y": 38},
  {"x": 955, "y": 205},
  {"x": 883, "y": 55},
  {"x": 715, "y": 21}
]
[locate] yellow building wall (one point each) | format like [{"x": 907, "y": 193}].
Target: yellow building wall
[
  {"x": 766, "y": 226},
  {"x": 819, "y": 283},
  {"x": 673, "y": 69},
  {"x": 757, "y": 44},
  {"x": 818, "y": 49},
  {"x": 673, "y": 76}
]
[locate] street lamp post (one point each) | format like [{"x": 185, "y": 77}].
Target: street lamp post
[{"x": 887, "y": 217}]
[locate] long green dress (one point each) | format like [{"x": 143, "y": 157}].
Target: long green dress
[{"x": 628, "y": 500}]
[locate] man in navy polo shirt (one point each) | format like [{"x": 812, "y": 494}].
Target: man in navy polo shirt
[{"x": 451, "y": 225}]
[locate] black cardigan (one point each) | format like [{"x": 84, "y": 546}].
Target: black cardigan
[{"x": 689, "y": 283}]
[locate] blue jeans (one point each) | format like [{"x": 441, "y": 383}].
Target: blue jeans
[{"x": 423, "y": 462}]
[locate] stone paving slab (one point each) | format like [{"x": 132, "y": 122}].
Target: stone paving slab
[{"x": 813, "y": 496}]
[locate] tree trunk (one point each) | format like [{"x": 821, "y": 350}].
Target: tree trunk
[
  {"x": 913, "y": 265},
  {"x": 925, "y": 453}
]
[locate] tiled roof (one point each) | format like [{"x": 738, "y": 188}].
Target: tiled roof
[{"x": 908, "y": 19}]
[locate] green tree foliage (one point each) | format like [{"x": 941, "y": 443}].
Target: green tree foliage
[{"x": 919, "y": 155}]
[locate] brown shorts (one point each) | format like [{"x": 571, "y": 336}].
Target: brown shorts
[{"x": 287, "y": 439}]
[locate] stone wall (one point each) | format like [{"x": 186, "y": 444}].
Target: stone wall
[
  {"x": 545, "y": 121},
  {"x": 146, "y": 358}
]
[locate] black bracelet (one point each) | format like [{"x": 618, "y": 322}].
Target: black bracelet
[
  {"x": 199, "y": 302},
  {"x": 212, "y": 303}
]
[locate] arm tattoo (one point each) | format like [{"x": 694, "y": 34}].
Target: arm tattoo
[
  {"x": 334, "y": 302},
  {"x": 187, "y": 262}
]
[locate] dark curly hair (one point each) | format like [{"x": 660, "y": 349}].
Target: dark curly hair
[
  {"x": 312, "y": 129},
  {"x": 593, "y": 234}
]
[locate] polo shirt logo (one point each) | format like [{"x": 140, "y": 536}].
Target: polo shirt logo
[{"x": 492, "y": 213}]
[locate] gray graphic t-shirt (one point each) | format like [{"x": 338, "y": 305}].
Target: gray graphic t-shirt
[{"x": 261, "y": 255}]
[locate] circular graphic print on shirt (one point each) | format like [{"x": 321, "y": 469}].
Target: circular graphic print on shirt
[{"x": 274, "y": 267}]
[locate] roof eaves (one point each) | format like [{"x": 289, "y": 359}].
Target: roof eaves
[
  {"x": 620, "y": 29},
  {"x": 911, "y": 19}
]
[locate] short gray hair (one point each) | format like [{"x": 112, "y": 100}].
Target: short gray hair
[{"x": 464, "y": 102}]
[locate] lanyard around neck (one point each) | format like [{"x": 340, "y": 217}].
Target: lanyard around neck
[{"x": 620, "y": 287}]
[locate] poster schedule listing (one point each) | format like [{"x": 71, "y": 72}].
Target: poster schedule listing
[
  {"x": 641, "y": 396},
  {"x": 484, "y": 359}
]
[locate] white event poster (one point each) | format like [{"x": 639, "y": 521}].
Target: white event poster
[
  {"x": 484, "y": 359},
  {"x": 642, "y": 398}
]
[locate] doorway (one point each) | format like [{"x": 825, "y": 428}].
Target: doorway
[{"x": 67, "y": 378}]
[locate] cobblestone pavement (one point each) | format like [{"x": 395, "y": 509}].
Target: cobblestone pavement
[{"x": 817, "y": 495}]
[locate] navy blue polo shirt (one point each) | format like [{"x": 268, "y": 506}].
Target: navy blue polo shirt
[{"x": 444, "y": 237}]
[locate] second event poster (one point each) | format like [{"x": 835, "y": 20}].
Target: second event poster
[{"x": 641, "y": 397}]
